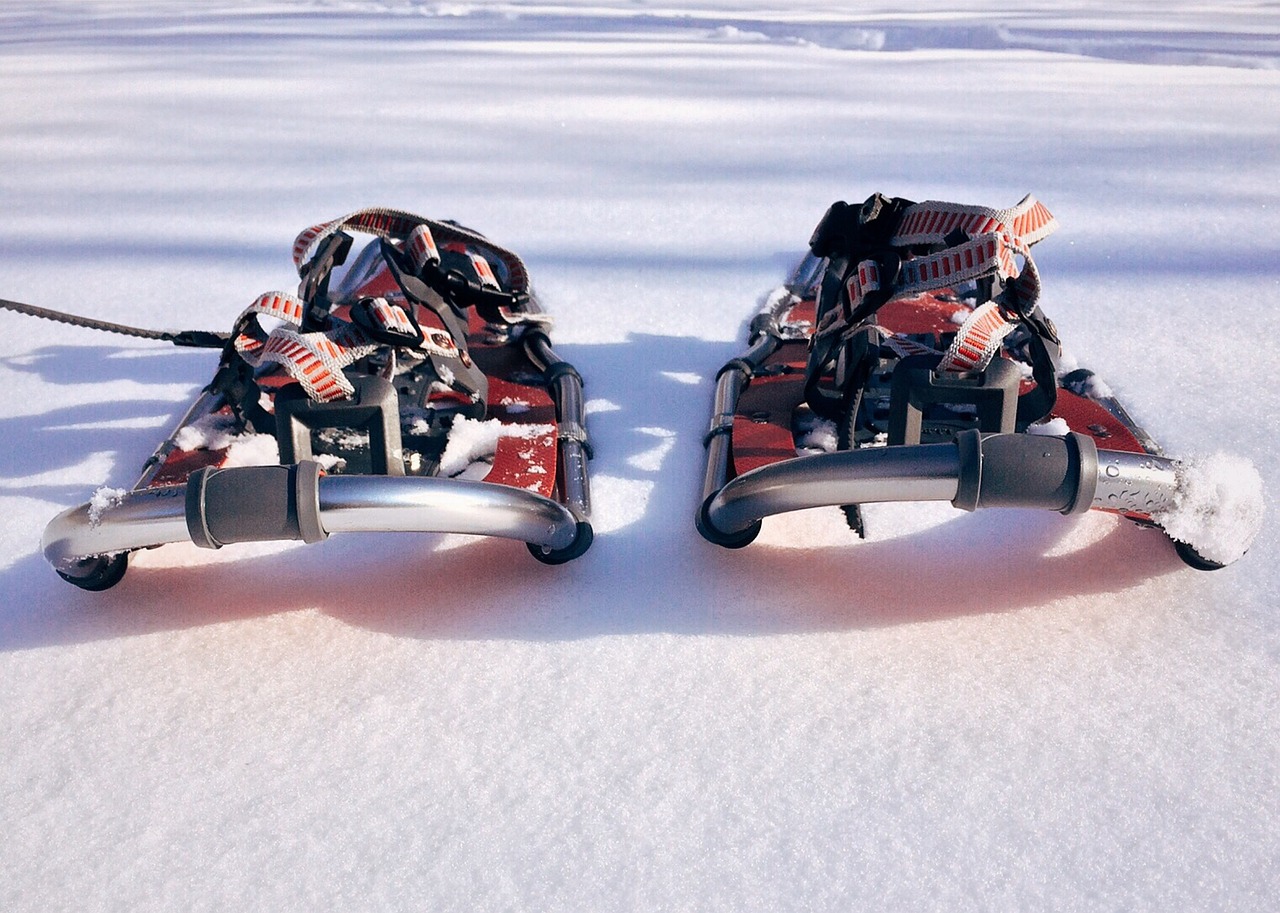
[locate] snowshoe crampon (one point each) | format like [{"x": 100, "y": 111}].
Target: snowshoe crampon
[
  {"x": 908, "y": 359},
  {"x": 409, "y": 385}
]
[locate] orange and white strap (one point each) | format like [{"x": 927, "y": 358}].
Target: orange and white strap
[
  {"x": 280, "y": 305},
  {"x": 904, "y": 346},
  {"x": 932, "y": 221},
  {"x": 995, "y": 238},
  {"x": 251, "y": 336},
  {"x": 864, "y": 279},
  {"x": 397, "y": 225},
  {"x": 391, "y": 317},
  {"x": 391, "y": 224},
  {"x": 484, "y": 272},
  {"x": 314, "y": 360},
  {"x": 987, "y": 255},
  {"x": 977, "y": 341},
  {"x": 421, "y": 247}
]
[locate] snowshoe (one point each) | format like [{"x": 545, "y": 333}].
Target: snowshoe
[
  {"x": 907, "y": 359},
  {"x": 410, "y": 386}
]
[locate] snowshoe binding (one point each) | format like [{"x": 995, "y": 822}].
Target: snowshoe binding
[
  {"x": 908, "y": 359},
  {"x": 410, "y": 386}
]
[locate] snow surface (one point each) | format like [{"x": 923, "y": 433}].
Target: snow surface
[{"x": 964, "y": 712}]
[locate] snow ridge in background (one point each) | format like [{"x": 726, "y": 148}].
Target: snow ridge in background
[
  {"x": 1136, "y": 33},
  {"x": 1241, "y": 34}
]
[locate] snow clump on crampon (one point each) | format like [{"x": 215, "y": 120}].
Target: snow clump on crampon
[
  {"x": 214, "y": 431},
  {"x": 1218, "y": 508},
  {"x": 471, "y": 440}
]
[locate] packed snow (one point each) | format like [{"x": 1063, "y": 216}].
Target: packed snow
[
  {"x": 1057, "y": 427},
  {"x": 1219, "y": 507},
  {"x": 102, "y": 501},
  {"x": 996, "y": 710},
  {"x": 214, "y": 431},
  {"x": 218, "y": 431},
  {"x": 472, "y": 441}
]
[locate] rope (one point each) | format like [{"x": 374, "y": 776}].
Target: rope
[{"x": 194, "y": 338}]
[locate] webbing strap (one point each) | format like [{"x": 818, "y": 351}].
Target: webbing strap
[
  {"x": 395, "y": 224},
  {"x": 391, "y": 317},
  {"x": 975, "y": 345},
  {"x": 484, "y": 272},
  {"x": 314, "y": 360},
  {"x": 411, "y": 248},
  {"x": 904, "y": 346},
  {"x": 891, "y": 248},
  {"x": 976, "y": 242},
  {"x": 983, "y": 242},
  {"x": 986, "y": 255},
  {"x": 932, "y": 222},
  {"x": 977, "y": 342},
  {"x": 281, "y": 305},
  {"x": 992, "y": 239},
  {"x": 421, "y": 247},
  {"x": 862, "y": 281}
]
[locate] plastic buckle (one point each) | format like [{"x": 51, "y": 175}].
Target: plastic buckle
[{"x": 363, "y": 431}]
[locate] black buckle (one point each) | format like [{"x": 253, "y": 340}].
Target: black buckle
[
  {"x": 363, "y": 431},
  {"x": 362, "y": 316}
]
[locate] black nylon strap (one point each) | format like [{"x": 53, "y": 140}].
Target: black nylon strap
[
  {"x": 419, "y": 292},
  {"x": 466, "y": 373}
]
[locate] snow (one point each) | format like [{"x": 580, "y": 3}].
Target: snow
[
  {"x": 1054, "y": 426},
  {"x": 817, "y": 436},
  {"x": 209, "y": 432},
  {"x": 472, "y": 440},
  {"x": 996, "y": 710},
  {"x": 255, "y": 450},
  {"x": 1219, "y": 506},
  {"x": 217, "y": 430},
  {"x": 102, "y": 501}
]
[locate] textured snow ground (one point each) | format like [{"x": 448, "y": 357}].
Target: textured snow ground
[{"x": 988, "y": 711}]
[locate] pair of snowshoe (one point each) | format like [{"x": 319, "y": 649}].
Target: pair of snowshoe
[{"x": 413, "y": 387}]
